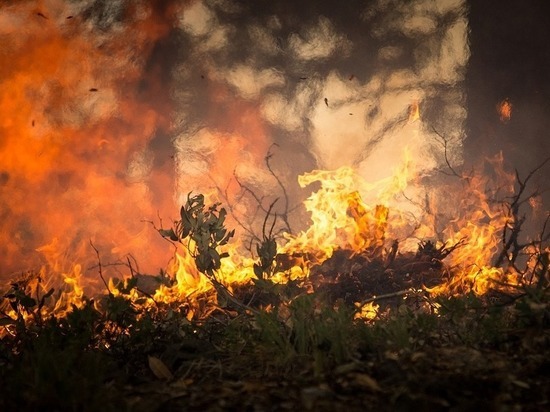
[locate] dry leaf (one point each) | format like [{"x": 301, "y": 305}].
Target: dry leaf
[
  {"x": 159, "y": 369},
  {"x": 521, "y": 384},
  {"x": 366, "y": 381}
]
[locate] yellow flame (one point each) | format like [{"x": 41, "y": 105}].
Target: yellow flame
[
  {"x": 369, "y": 311},
  {"x": 341, "y": 219},
  {"x": 478, "y": 228}
]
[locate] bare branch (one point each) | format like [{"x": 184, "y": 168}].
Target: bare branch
[
  {"x": 445, "y": 142},
  {"x": 100, "y": 267},
  {"x": 267, "y": 217},
  {"x": 510, "y": 235},
  {"x": 284, "y": 215}
]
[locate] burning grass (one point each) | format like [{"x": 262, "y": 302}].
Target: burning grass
[{"x": 344, "y": 313}]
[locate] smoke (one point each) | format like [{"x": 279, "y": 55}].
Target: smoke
[
  {"x": 332, "y": 84},
  {"x": 113, "y": 109},
  {"x": 82, "y": 106}
]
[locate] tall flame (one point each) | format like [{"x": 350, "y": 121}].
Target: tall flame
[{"x": 79, "y": 112}]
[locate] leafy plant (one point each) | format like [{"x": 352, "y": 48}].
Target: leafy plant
[
  {"x": 201, "y": 229},
  {"x": 20, "y": 299}
]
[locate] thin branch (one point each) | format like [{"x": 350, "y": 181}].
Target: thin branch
[
  {"x": 132, "y": 274},
  {"x": 510, "y": 234},
  {"x": 445, "y": 141},
  {"x": 386, "y": 296},
  {"x": 174, "y": 244},
  {"x": 222, "y": 290},
  {"x": 100, "y": 267},
  {"x": 284, "y": 215},
  {"x": 267, "y": 217}
]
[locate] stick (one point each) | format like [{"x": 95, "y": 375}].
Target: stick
[{"x": 386, "y": 296}]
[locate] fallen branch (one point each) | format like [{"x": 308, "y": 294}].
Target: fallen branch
[{"x": 386, "y": 296}]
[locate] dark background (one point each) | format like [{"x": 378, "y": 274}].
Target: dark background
[{"x": 510, "y": 58}]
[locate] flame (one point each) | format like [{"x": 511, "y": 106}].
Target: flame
[
  {"x": 369, "y": 311},
  {"x": 414, "y": 112},
  {"x": 341, "y": 219},
  {"x": 75, "y": 131},
  {"x": 190, "y": 285},
  {"x": 504, "y": 110},
  {"x": 72, "y": 292},
  {"x": 478, "y": 229},
  {"x": 76, "y": 128}
]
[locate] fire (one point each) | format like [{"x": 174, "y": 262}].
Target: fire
[
  {"x": 478, "y": 229},
  {"x": 72, "y": 292},
  {"x": 369, "y": 311},
  {"x": 74, "y": 137},
  {"x": 190, "y": 285},
  {"x": 340, "y": 217},
  {"x": 80, "y": 111},
  {"x": 504, "y": 110},
  {"x": 414, "y": 112}
]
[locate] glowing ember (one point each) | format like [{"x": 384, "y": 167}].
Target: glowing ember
[{"x": 504, "y": 110}]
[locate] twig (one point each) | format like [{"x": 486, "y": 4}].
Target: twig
[
  {"x": 100, "y": 267},
  {"x": 511, "y": 246},
  {"x": 130, "y": 266},
  {"x": 266, "y": 218},
  {"x": 392, "y": 253},
  {"x": 132, "y": 274},
  {"x": 284, "y": 215},
  {"x": 541, "y": 258},
  {"x": 159, "y": 229},
  {"x": 222, "y": 290},
  {"x": 247, "y": 229},
  {"x": 445, "y": 141},
  {"x": 386, "y": 296}
]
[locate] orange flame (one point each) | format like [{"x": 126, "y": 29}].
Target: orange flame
[
  {"x": 478, "y": 229},
  {"x": 504, "y": 110},
  {"x": 414, "y": 112},
  {"x": 74, "y": 137}
]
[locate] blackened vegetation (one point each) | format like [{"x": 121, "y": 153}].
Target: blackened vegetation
[{"x": 355, "y": 278}]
